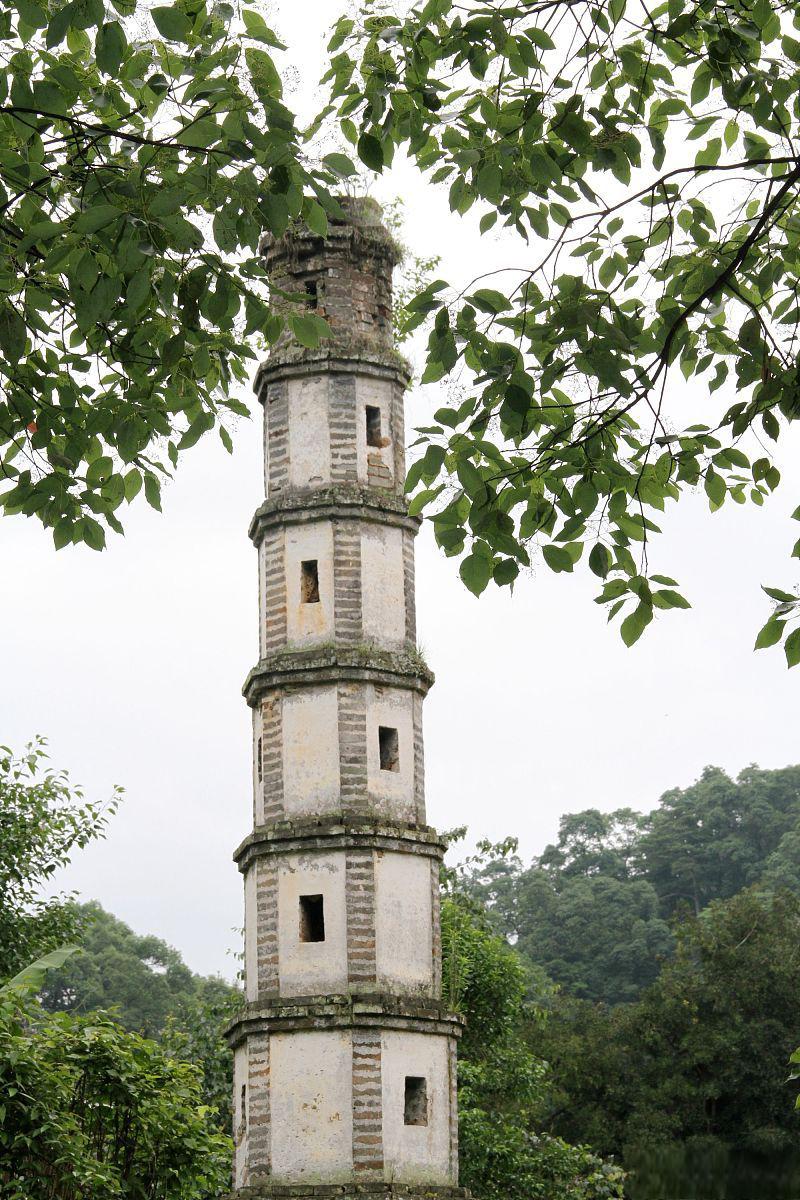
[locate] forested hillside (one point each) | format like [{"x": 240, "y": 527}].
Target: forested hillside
[
  {"x": 663, "y": 952},
  {"x": 597, "y": 910}
]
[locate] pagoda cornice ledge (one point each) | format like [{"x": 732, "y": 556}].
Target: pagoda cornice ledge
[
  {"x": 348, "y": 356},
  {"x": 297, "y": 507},
  {"x": 382, "y": 1010},
  {"x": 334, "y": 663},
  {"x": 343, "y": 1191},
  {"x": 340, "y": 832}
]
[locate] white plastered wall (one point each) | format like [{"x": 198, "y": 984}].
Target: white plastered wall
[
  {"x": 240, "y": 1137},
  {"x": 309, "y": 434},
  {"x": 311, "y": 1105},
  {"x": 309, "y": 622},
  {"x": 416, "y": 1153},
  {"x": 250, "y": 934},
  {"x": 391, "y": 791},
  {"x": 383, "y": 585},
  {"x": 311, "y": 752},
  {"x": 403, "y": 922},
  {"x": 309, "y": 968},
  {"x": 378, "y": 394}
]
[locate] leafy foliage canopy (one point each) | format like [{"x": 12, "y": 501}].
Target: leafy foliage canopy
[
  {"x": 646, "y": 159},
  {"x": 143, "y": 154}
]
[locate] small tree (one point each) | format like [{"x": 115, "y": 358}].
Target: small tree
[
  {"x": 90, "y": 1109},
  {"x": 502, "y": 1086},
  {"x": 43, "y": 819}
]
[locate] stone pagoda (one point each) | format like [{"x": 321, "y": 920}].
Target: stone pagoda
[{"x": 345, "y": 1058}]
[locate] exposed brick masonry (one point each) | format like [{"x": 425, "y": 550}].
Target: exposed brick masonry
[
  {"x": 267, "y": 928},
  {"x": 367, "y": 1104},
  {"x": 271, "y": 784},
  {"x": 258, "y": 1105},
  {"x": 273, "y": 616},
  {"x": 352, "y": 747},
  {"x": 342, "y": 420},
  {"x": 360, "y": 891},
  {"x": 347, "y": 580},
  {"x": 277, "y": 416}
]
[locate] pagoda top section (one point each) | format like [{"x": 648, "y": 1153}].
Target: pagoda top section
[{"x": 345, "y": 277}]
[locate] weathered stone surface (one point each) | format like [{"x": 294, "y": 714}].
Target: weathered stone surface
[
  {"x": 287, "y": 837},
  {"x": 356, "y": 1191},
  {"x": 335, "y": 663},
  {"x": 360, "y": 1011}
]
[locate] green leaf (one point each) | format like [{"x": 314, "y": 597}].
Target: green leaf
[
  {"x": 198, "y": 427},
  {"x": 340, "y": 164},
  {"x": 792, "y": 648},
  {"x": 600, "y": 560},
  {"x": 317, "y": 219},
  {"x": 666, "y": 598},
  {"x": 32, "y": 14},
  {"x": 770, "y": 633},
  {"x": 489, "y": 182},
  {"x": 152, "y": 491},
  {"x": 432, "y": 462},
  {"x": 32, "y": 977},
  {"x": 635, "y": 623},
  {"x": 490, "y": 301},
  {"x": 505, "y": 572},
  {"x": 110, "y": 47},
  {"x": 13, "y": 333},
  {"x": 370, "y": 151},
  {"x": 306, "y": 329},
  {"x": 257, "y": 27},
  {"x": 97, "y": 217},
  {"x": 780, "y": 596},
  {"x": 715, "y": 489},
  {"x": 475, "y": 572},
  {"x": 172, "y": 24},
  {"x": 133, "y": 484},
  {"x": 264, "y": 74},
  {"x": 557, "y": 558}
]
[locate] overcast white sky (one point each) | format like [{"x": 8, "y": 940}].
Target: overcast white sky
[{"x": 131, "y": 661}]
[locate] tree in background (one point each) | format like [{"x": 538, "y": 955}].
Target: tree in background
[
  {"x": 701, "y": 1056},
  {"x": 43, "y": 819},
  {"x": 144, "y": 151},
  {"x": 718, "y": 836},
  {"x": 594, "y": 910},
  {"x": 88, "y": 1107},
  {"x": 648, "y": 163},
  {"x": 502, "y": 1087},
  {"x": 142, "y": 979}
]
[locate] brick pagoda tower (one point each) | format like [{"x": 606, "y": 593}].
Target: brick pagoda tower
[{"x": 345, "y": 1059}]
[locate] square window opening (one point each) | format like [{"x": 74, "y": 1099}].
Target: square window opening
[
  {"x": 374, "y": 437},
  {"x": 311, "y": 293},
  {"x": 309, "y": 582},
  {"x": 415, "y": 1110},
  {"x": 312, "y": 919},
  {"x": 389, "y": 743}
]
